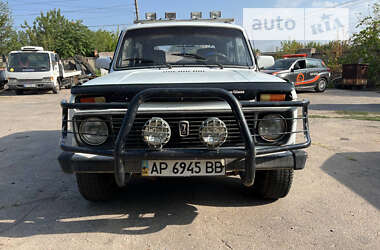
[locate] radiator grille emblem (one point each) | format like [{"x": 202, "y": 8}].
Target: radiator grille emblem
[{"x": 184, "y": 128}]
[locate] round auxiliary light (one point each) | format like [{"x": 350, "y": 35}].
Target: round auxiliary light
[
  {"x": 93, "y": 131},
  {"x": 213, "y": 132},
  {"x": 156, "y": 132},
  {"x": 272, "y": 127}
]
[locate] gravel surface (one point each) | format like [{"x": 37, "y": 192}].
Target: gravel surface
[{"x": 334, "y": 201}]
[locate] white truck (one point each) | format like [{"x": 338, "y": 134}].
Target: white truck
[{"x": 33, "y": 68}]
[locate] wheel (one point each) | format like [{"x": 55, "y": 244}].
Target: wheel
[
  {"x": 321, "y": 85},
  {"x": 19, "y": 92},
  {"x": 55, "y": 89},
  {"x": 273, "y": 184},
  {"x": 97, "y": 187}
]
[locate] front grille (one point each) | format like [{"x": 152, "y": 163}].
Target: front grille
[
  {"x": 135, "y": 141},
  {"x": 29, "y": 80}
]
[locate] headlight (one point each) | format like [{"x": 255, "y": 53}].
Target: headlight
[
  {"x": 48, "y": 79},
  {"x": 93, "y": 131},
  {"x": 156, "y": 132},
  {"x": 272, "y": 127},
  {"x": 213, "y": 132},
  {"x": 12, "y": 81}
]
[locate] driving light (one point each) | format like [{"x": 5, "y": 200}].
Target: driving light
[
  {"x": 150, "y": 16},
  {"x": 156, "y": 132},
  {"x": 213, "y": 132},
  {"x": 215, "y": 14},
  {"x": 196, "y": 15},
  {"x": 170, "y": 15},
  {"x": 271, "y": 127},
  {"x": 93, "y": 131}
]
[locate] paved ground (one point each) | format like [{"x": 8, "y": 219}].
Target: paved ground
[{"x": 334, "y": 202}]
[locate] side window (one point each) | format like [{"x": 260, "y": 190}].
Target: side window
[
  {"x": 313, "y": 63},
  {"x": 301, "y": 64}
]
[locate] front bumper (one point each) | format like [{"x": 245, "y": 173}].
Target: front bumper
[
  {"x": 85, "y": 163},
  {"x": 35, "y": 86},
  {"x": 247, "y": 154}
]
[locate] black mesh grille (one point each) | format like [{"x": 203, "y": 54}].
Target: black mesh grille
[{"x": 195, "y": 120}]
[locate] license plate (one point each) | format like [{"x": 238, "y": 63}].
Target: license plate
[
  {"x": 183, "y": 167},
  {"x": 29, "y": 85}
]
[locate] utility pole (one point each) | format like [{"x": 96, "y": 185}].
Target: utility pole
[{"x": 137, "y": 10}]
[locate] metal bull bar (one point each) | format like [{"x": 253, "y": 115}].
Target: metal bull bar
[
  {"x": 147, "y": 94},
  {"x": 120, "y": 153}
]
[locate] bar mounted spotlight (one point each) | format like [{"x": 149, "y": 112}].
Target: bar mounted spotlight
[
  {"x": 215, "y": 14},
  {"x": 196, "y": 15},
  {"x": 150, "y": 16},
  {"x": 170, "y": 15}
]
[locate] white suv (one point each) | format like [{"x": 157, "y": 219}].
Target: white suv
[{"x": 183, "y": 98}]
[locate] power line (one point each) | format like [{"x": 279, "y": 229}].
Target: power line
[{"x": 80, "y": 10}]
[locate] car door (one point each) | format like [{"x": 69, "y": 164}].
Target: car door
[
  {"x": 313, "y": 72},
  {"x": 298, "y": 72}
]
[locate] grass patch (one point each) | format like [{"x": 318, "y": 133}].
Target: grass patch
[
  {"x": 320, "y": 116},
  {"x": 353, "y": 115}
]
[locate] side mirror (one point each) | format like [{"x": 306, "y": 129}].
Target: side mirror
[
  {"x": 292, "y": 70},
  {"x": 103, "y": 63},
  {"x": 265, "y": 61}
]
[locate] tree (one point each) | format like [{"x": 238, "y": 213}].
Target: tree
[
  {"x": 365, "y": 45},
  {"x": 5, "y": 27},
  {"x": 104, "y": 41},
  {"x": 55, "y": 32}
]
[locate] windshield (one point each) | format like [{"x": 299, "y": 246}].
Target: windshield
[
  {"x": 282, "y": 64},
  {"x": 184, "y": 46},
  {"x": 28, "y": 62}
]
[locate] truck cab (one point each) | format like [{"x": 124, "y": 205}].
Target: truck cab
[{"x": 33, "y": 68}]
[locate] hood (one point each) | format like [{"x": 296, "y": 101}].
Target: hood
[
  {"x": 245, "y": 84},
  {"x": 277, "y": 71},
  {"x": 183, "y": 75}
]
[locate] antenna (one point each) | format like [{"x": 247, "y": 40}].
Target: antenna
[{"x": 137, "y": 10}]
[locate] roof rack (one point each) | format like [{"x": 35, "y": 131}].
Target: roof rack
[
  {"x": 294, "y": 55},
  {"x": 32, "y": 48},
  {"x": 215, "y": 16},
  {"x": 221, "y": 20}
]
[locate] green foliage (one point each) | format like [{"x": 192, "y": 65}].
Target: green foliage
[
  {"x": 365, "y": 45},
  {"x": 105, "y": 41},
  {"x": 5, "y": 27},
  {"x": 55, "y": 32},
  {"x": 288, "y": 47}
]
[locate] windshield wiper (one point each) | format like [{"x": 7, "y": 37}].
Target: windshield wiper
[
  {"x": 213, "y": 64},
  {"x": 200, "y": 58},
  {"x": 142, "y": 60}
]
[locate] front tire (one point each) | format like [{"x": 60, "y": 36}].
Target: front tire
[
  {"x": 55, "y": 89},
  {"x": 273, "y": 184},
  {"x": 19, "y": 92},
  {"x": 97, "y": 187},
  {"x": 321, "y": 85}
]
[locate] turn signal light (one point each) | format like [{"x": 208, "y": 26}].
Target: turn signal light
[
  {"x": 272, "y": 97},
  {"x": 92, "y": 99}
]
